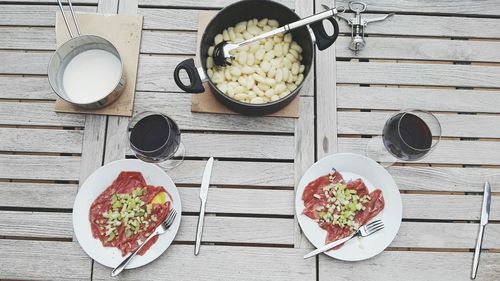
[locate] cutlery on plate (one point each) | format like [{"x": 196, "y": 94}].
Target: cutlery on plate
[
  {"x": 365, "y": 230},
  {"x": 205, "y": 182},
  {"x": 160, "y": 229},
  {"x": 485, "y": 215}
]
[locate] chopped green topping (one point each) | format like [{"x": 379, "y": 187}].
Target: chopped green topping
[
  {"x": 342, "y": 205},
  {"x": 126, "y": 209}
]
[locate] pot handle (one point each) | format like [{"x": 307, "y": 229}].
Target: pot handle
[
  {"x": 196, "y": 85},
  {"x": 323, "y": 40}
]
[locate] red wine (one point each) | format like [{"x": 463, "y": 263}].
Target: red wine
[
  {"x": 407, "y": 136},
  {"x": 156, "y": 137}
]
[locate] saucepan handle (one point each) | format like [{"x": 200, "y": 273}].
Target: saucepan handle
[
  {"x": 196, "y": 84},
  {"x": 323, "y": 40}
]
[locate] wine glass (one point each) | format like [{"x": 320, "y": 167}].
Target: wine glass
[
  {"x": 408, "y": 135},
  {"x": 155, "y": 138}
]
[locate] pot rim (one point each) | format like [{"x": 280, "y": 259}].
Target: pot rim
[
  {"x": 115, "y": 88},
  {"x": 292, "y": 94}
]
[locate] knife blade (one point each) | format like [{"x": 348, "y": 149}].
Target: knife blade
[
  {"x": 485, "y": 215},
  {"x": 205, "y": 183}
]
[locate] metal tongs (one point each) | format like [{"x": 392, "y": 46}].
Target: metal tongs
[{"x": 358, "y": 25}]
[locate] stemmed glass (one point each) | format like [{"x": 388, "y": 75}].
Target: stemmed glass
[
  {"x": 155, "y": 138},
  {"x": 408, "y": 135}
]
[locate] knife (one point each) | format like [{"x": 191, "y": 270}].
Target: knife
[
  {"x": 205, "y": 182},
  {"x": 485, "y": 215}
]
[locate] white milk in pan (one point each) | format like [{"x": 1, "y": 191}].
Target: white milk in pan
[{"x": 91, "y": 75}]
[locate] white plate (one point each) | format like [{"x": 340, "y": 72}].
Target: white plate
[
  {"x": 353, "y": 166},
  {"x": 95, "y": 185}
]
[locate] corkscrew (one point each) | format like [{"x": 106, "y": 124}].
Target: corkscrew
[{"x": 358, "y": 25}]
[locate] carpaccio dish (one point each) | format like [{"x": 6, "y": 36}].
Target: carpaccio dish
[
  {"x": 340, "y": 207},
  {"x": 128, "y": 211}
]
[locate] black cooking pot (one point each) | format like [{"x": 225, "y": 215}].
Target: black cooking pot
[{"x": 245, "y": 10}]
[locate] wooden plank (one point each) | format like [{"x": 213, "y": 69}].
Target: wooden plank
[
  {"x": 452, "y": 125},
  {"x": 419, "y": 74},
  {"x": 466, "y": 7},
  {"x": 43, "y": 260},
  {"x": 326, "y": 101},
  {"x": 168, "y": 42},
  {"x": 116, "y": 139},
  {"x": 423, "y": 49},
  {"x": 35, "y": 224},
  {"x": 238, "y": 230},
  {"x": 40, "y": 140},
  {"x": 18, "y": 87},
  {"x": 178, "y": 106},
  {"x": 17, "y": 62},
  {"x": 34, "y": 15},
  {"x": 237, "y": 146},
  {"x": 412, "y": 266},
  {"x": 36, "y": 114},
  {"x": 444, "y": 235},
  {"x": 128, "y": 7},
  {"x": 213, "y": 4},
  {"x": 156, "y": 73},
  {"x": 29, "y": 38},
  {"x": 29, "y": 2},
  {"x": 446, "y": 152},
  {"x": 108, "y": 6},
  {"x": 447, "y": 207},
  {"x": 240, "y": 201},
  {"x": 304, "y": 129},
  {"x": 222, "y": 263},
  {"x": 39, "y": 167},
  {"x": 232, "y": 173},
  {"x": 37, "y": 195},
  {"x": 169, "y": 19},
  {"x": 430, "y": 99},
  {"x": 304, "y": 153},
  {"x": 435, "y": 26},
  {"x": 93, "y": 145},
  {"x": 445, "y": 178}
]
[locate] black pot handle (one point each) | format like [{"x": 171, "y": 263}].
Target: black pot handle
[
  {"x": 323, "y": 40},
  {"x": 196, "y": 85}
]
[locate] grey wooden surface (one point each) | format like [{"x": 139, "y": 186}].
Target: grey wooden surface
[
  {"x": 436, "y": 56},
  {"x": 440, "y": 56}
]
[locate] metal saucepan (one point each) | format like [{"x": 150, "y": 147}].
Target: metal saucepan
[
  {"x": 101, "y": 78},
  {"x": 245, "y": 10}
]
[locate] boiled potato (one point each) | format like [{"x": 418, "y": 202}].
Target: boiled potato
[{"x": 262, "y": 72}]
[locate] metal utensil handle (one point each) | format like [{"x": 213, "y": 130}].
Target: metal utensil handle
[
  {"x": 477, "y": 251},
  {"x": 291, "y": 26},
  {"x": 199, "y": 228},
  {"x": 329, "y": 246},
  {"x": 127, "y": 260},
  {"x": 72, "y": 15}
]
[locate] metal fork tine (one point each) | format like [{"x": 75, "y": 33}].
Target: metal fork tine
[
  {"x": 374, "y": 223},
  {"x": 170, "y": 218},
  {"x": 373, "y": 230},
  {"x": 374, "y": 226}
]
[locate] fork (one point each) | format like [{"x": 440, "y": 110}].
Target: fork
[
  {"x": 365, "y": 230},
  {"x": 160, "y": 229}
]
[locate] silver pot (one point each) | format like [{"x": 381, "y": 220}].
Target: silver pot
[{"x": 68, "y": 51}]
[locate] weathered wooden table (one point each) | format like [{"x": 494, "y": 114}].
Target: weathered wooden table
[{"x": 441, "y": 56}]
